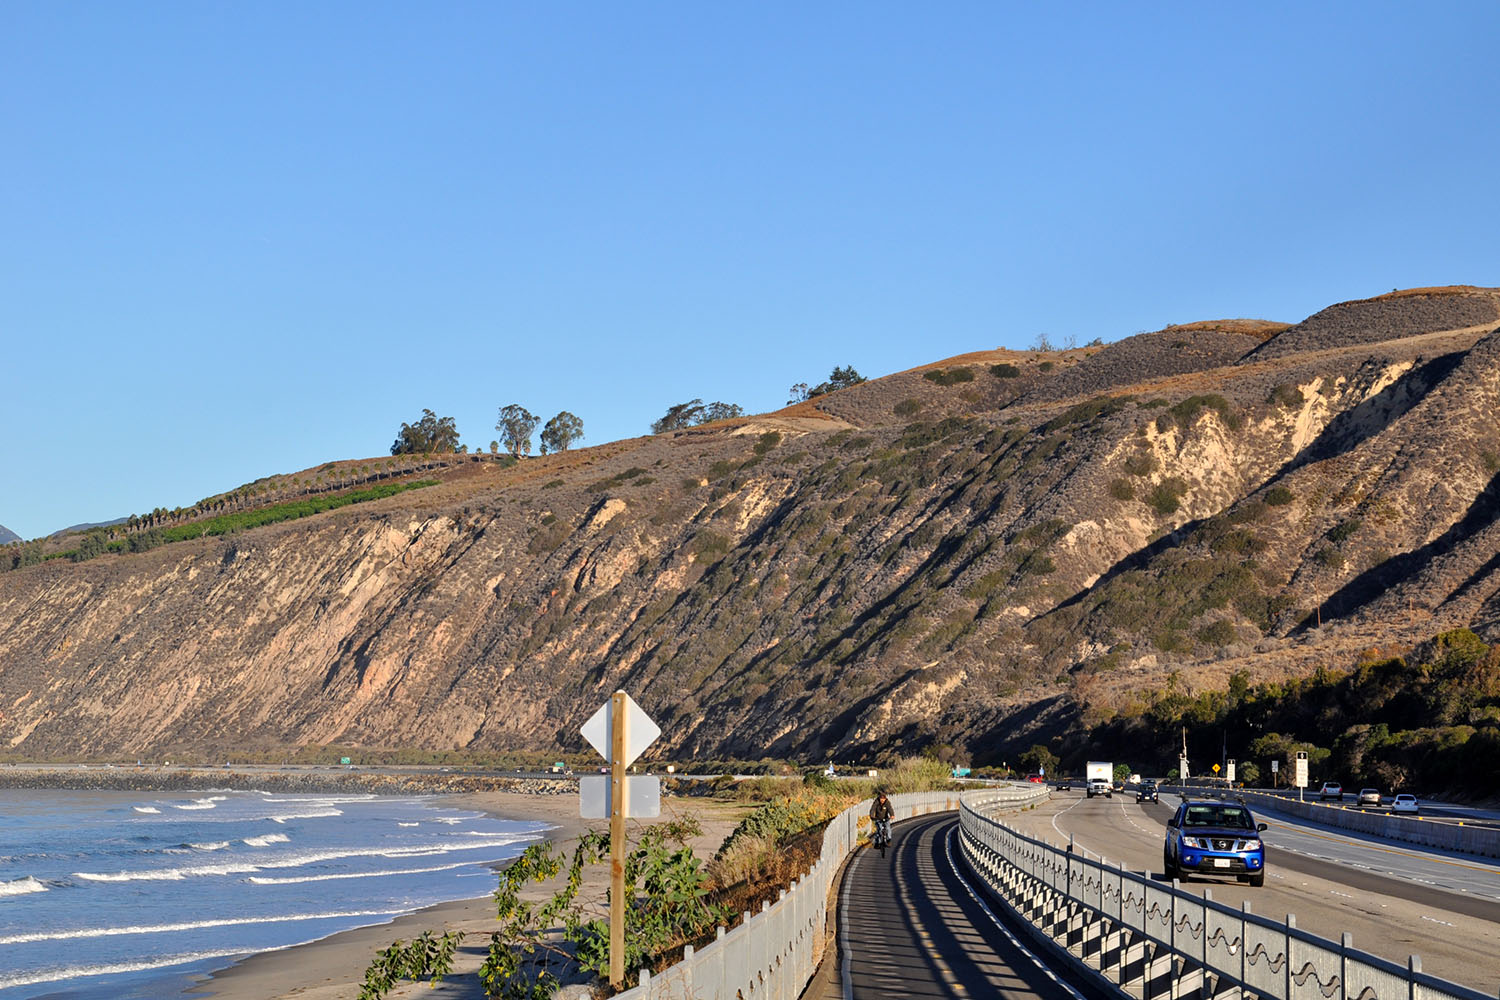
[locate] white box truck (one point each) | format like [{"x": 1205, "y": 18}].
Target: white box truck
[{"x": 1100, "y": 775}]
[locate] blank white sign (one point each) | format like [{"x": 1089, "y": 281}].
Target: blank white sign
[{"x": 642, "y": 796}]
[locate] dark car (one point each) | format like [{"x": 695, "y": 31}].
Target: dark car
[
  {"x": 1214, "y": 838},
  {"x": 1146, "y": 792},
  {"x": 1064, "y": 785}
]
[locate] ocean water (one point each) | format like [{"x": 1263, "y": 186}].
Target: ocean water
[{"x": 137, "y": 895}]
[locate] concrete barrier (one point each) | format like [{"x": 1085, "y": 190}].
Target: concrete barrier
[{"x": 1483, "y": 841}]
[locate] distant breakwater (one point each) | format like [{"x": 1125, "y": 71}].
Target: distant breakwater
[{"x": 193, "y": 779}]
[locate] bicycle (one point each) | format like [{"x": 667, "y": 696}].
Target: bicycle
[{"x": 880, "y": 838}]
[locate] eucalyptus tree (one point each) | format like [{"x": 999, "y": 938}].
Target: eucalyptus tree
[{"x": 560, "y": 433}]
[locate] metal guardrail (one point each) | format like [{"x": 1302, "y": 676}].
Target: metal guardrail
[
  {"x": 773, "y": 954},
  {"x": 1153, "y": 939}
]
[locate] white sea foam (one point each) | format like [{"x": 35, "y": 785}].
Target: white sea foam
[
  {"x": 330, "y": 799},
  {"x": 146, "y": 809},
  {"x": 98, "y": 932},
  {"x": 297, "y": 879},
  {"x": 267, "y": 840},
  {"x": 78, "y": 971},
  {"x": 208, "y": 803},
  {"x": 408, "y": 824},
  {"x": 217, "y": 845},
  {"x": 21, "y": 887},
  {"x": 317, "y": 814},
  {"x": 247, "y": 866}
]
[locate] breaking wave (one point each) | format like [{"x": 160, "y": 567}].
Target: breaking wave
[
  {"x": 22, "y": 887},
  {"x": 195, "y": 925},
  {"x": 248, "y": 866}
]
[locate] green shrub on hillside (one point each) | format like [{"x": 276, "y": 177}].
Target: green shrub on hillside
[
  {"x": 1288, "y": 397},
  {"x": 1005, "y": 370},
  {"x": 708, "y": 545},
  {"x": 1220, "y": 633},
  {"x": 907, "y": 407},
  {"x": 1166, "y": 496},
  {"x": 94, "y": 544},
  {"x": 1330, "y": 557},
  {"x": 767, "y": 441},
  {"x": 1184, "y": 413},
  {"x": 950, "y": 376},
  {"x": 1142, "y": 463},
  {"x": 1100, "y": 406},
  {"x": 1278, "y": 496},
  {"x": 1121, "y": 489},
  {"x": 1344, "y": 530}
]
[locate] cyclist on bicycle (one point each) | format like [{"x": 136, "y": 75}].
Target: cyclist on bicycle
[{"x": 881, "y": 814}]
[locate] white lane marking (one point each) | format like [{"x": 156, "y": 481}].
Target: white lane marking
[
  {"x": 948, "y": 850},
  {"x": 1072, "y": 839},
  {"x": 846, "y": 967}
]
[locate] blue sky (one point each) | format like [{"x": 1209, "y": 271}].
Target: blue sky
[{"x": 242, "y": 239}]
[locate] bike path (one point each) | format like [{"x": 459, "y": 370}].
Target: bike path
[{"x": 915, "y": 924}]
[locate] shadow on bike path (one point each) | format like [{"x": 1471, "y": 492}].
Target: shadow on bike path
[{"x": 908, "y": 927}]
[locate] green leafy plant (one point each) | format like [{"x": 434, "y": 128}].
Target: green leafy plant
[
  {"x": 668, "y": 906},
  {"x": 426, "y": 957}
]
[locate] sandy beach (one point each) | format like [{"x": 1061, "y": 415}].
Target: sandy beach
[{"x": 333, "y": 968}]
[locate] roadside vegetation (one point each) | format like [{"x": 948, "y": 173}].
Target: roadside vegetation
[
  {"x": 675, "y": 899},
  {"x": 1426, "y": 720}
]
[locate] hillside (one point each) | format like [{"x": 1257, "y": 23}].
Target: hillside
[
  {"x": 7, "y": 536},
  {"x": 968, "y": 553}
]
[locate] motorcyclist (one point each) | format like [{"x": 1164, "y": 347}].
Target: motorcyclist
[{"x": 881, "y": 814}]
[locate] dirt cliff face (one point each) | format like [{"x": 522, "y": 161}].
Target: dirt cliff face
[{"x": 956, "y": 554}]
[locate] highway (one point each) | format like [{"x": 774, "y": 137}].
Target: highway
[
  {"x": 1437, "y": 812},
  {"x": 1395, "y": 900}
]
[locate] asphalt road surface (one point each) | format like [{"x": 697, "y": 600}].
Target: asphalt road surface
[
  {"x": 1396, "y": 900},
  {"x": 912, "y": 924}
]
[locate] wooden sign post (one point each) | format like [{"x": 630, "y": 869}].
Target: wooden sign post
[
  {"x": 621, "y": 726},
  {"x": 619, "y": 730}
]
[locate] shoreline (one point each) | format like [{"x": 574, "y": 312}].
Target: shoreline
[{"x": 333, "y": 967}]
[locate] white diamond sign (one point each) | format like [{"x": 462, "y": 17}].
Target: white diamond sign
[{"x": 640, "y": 731}]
